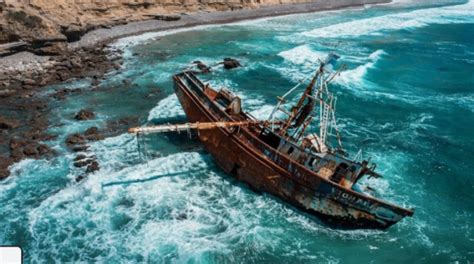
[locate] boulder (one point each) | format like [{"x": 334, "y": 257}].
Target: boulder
[
  {"x": 29, "y": 82},
  {"x": 75, "y": 139},
  {"x": 84, "y": 115},
  {"x": 73, "y": 32},
  {"x": 91, "y": 131},
  {"x": 92, "y": 134},
  {"x": 82, "y": 163},
  {"x": 80, "y": 177},
  {"x": 80, "y": 148},
  {"x": 44, "y": 149},
  {"x": 202, "y": 67},
  {"x": 230, "y": 63},
  {"x": 4, "y": 164},
  {"x": 80, "y": 157},
  {"x": 94, "y": 166}
]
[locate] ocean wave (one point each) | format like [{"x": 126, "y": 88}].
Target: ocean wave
[
  {"x": 407, "y": 20},
  {"x": 89, "y": 218},
  {"x": 307, "y": 58},
  {"x": 302, "y": 54},
  {"x": 166, "y": 108},
  {"x": 135, "y": 40},
  {"x": 356, "y": 76}
]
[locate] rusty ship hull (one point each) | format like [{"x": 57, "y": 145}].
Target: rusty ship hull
[{"x": 241, "y": 152}]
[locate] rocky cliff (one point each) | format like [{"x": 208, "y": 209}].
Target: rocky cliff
[{"x": 46, "y": 25}]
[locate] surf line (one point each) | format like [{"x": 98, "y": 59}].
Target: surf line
[{"x": 133, "y": 181}]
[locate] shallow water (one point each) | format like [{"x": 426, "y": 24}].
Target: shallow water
[{"x": 406, "y": 99}]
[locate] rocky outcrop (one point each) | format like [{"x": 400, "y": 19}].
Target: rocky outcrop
[
  {"x": 84, "y": 114},
  {"x": 230, "y": 63}
]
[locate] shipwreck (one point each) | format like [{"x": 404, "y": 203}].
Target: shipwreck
[{"x": 279, "y": 156}]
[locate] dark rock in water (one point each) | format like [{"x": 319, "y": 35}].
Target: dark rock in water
[
  {"x": 4, "y": 164},
  {"x": 44, "y": 149},
  {"x": 80, "y": 177},
  {"x": 75, "y": 139},
  {"x": 84, "y": 115},
  {"x": 116, "y": 127},
  {"x": 80, "y": 157},
  {"x": 80, "y": 148},
  {"x": 202, "y": 67},
  {"x": 95, "y": 137},
  {"x": 82, "y": 163},
  {"x": 182, "y": 216},
  {"x": 94, "y": 166},
  {"x": 91, "y": 131},
  {"x": 62, "y": 93},
  {"x": 230, "y": 63},
  {"x": 6, "y": 123},
  {"x": 92, "y": 134}
]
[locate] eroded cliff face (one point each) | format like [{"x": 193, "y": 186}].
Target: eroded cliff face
[{"x": 46, "y": 25}]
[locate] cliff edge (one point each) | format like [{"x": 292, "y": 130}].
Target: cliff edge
[{"x": 45, "y": 26}]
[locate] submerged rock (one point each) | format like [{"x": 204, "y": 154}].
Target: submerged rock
[
  {"x": 230, "y": 63},
  {"x": 75, "y": 139},
  {"x": 84, "y": 115},
  {"x": 92, "y": 134},
  {"x": 202, "y": 67},
  {"x": 94, "y": 166},
  {"x": 82, "y": 163}
]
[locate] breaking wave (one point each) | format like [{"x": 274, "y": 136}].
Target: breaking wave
[
  {"x": 408, "y": 20},
  {"x": 356, "y": 76},
  {"x": 166, "y": 108},
  {"x": 302, "y": 54}
]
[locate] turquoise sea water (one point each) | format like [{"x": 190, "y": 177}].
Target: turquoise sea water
[{"x": 406, "y": 99}]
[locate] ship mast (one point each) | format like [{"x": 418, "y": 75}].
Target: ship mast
[
  {"x": 302, "y": 114},
  {"x": 299, "y": 111}
]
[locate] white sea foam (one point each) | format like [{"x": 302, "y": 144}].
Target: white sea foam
[
  {"x": 74, "y": 208},
  {"x": 262, "y": 112},
  {"x": 356, "y": 76},
  {"x": 302, "y": 54},
  {"x": 135, "y": 40},
  {"x": 166, "y": 108},
  {"x": 405, "y": 20}
]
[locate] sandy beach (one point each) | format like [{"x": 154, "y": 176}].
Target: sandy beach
[{"x": 222, "y": 17}]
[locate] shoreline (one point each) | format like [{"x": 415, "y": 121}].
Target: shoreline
[
  {"x": 188, "y": 20},
  {"x": 24, "y": 116}
]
